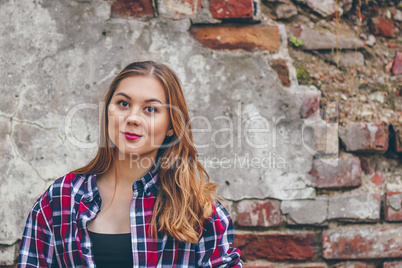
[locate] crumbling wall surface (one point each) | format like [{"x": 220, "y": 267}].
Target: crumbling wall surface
[{"x": 260, "y": 135}]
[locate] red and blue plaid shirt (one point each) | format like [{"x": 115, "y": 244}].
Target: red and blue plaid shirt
[{"x": 56, "y": 233}]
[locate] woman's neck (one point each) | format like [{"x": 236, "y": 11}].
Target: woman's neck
[{"x": 130, "y": 169}]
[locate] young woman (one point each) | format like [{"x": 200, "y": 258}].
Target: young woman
[{"x": 144, "y": 200}]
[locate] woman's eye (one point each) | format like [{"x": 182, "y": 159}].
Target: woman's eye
[
  {"x": 151, "y": 109},
  {"x": 123, "y": 103}
]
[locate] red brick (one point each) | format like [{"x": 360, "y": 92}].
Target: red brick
[
  {"x": 394, "y": 264},
  {"x": 282, "y": 69},
  {"x": 382, "y": 26},
  {"x": 276, "y": 246},
  {"x": 249, "y": 38},
  {"x": 393, "y": 206},
  {"x": 365, "y": 137},
  {"x": 362, "y": 243},
  {"x": 132, "y": 8},
  {"x": 354, "y": 265},
  {"x": 378, "y": 179},
  {"x": 231, "y": 9},
  {"x": 397, "y": 67},
  {"x": 259, "y": 213},
  {"x": 347, "y": 173}
]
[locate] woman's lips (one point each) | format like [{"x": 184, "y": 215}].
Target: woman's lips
[{"x": 131, "y": 136}]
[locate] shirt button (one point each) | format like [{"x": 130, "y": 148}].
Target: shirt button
[{"x": 85, "y": 250}]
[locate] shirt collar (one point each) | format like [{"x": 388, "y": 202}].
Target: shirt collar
[
  {"x": 147, "y": 183},
  {"x": 90, "y": 188}
]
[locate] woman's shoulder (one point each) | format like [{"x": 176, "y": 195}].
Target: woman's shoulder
[
  {"x": 72, "y": 180},
  {"x": 59, "y": 196},
  {"x": 67, "y": 186},
  {"x": 219, "y": 213},
  {"x": 220, "y": 223}
]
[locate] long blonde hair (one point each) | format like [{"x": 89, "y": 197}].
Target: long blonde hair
[{"x": 185, "y": 194}]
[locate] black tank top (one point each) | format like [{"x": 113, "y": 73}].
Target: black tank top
[{"x": 112, "y": 250}]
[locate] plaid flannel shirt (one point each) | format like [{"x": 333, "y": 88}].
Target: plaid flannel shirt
[{"x": 56, "y": 233}]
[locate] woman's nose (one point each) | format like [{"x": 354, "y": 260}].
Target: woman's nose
[{"x": 134, "y": 119}]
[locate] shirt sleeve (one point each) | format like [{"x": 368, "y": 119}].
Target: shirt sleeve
[
  {"x": 37, "y": 245},
  {"x": 214, "y": 247}
]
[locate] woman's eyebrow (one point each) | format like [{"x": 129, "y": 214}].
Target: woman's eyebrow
[
  {"x": 128, "y": 97},
  {"x": 123, "y": 94}
]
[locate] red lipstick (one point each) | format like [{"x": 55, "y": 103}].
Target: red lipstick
[{"x": 131, "y": 136}]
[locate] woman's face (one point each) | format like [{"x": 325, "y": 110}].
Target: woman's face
[{"x": 138, "y": 117}]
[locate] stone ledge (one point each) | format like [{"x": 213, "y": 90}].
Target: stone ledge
[
  {"x": 322, "y": 39},
  {"x": 343, "y": 172},
  {"x": 363, "y": 243},
  {"x": 365, "y": 137},
  {"x": 309, "y": 212},
  {"x": 357, "y": 208},
  {"x": 393, "y": 206}
]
